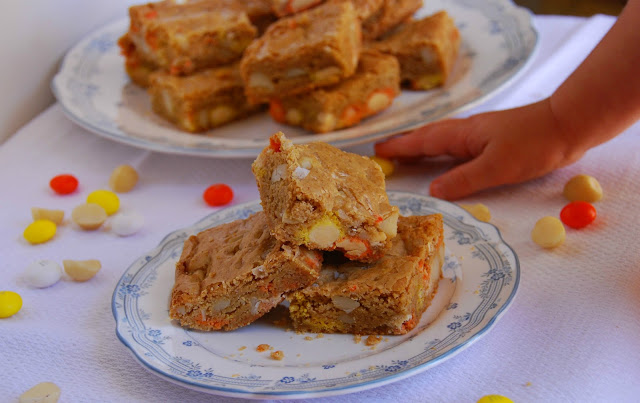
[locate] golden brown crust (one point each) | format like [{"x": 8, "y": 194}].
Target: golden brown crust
[
  {"x": 229, "y": 276},
  {"x": 384, "y": 297},
  {"x": 319, "y": 196},
  {"x": 426, "y": 49}
]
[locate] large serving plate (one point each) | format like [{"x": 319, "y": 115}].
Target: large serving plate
[
  {"x": 481, "y": 275},
  {"x": 498, "y": 39}
]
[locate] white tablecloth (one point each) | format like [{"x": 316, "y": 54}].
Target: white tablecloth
[{"x": 571, "y": 334}]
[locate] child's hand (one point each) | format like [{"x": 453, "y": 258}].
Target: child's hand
[{"x": 502, "y": 147}]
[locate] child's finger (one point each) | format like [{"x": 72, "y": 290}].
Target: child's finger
[
  {"x": 443, "y": 137},
  {"x": 465, "y": 179}
]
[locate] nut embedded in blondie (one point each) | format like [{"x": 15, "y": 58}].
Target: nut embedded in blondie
[{"x": 324, "y": 198}]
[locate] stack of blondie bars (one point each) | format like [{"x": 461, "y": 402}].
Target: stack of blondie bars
[
  {"x": 327, "y": 240},
  {"x": 322, "y": 65}
]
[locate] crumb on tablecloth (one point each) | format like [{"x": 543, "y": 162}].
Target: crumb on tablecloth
[
  {"x": 263, "y": 347},
  {"x": 277, "y": 355}
]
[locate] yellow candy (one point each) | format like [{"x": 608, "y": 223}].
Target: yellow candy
[
  {"x": 494, "y": 399},
  {"x": 10, "y": 303},
  {"x": 106, "y": 199},
  {"x": 385, "y": 164},
  {"x": 478, "y": 210},
  {"x": 40, "y": 231}
]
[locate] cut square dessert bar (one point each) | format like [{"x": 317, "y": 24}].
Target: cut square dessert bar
[
  {"x": 324, "y": 198},
  {"x": 311, "y": 49},
  {"x": 230, "y": 275},
  {"x": 371, "y": 89},
  {"x": 426, "y": 49},
  {"x": 186, "y": 37},
  {"x": 388, "y": 296},
  {"x": 200, "y": 101},
  {"x": 392, "y": 13}
]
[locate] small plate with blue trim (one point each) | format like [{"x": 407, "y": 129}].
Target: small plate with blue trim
[{"x": 480, "y": 278}]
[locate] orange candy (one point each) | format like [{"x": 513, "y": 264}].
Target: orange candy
[
  {"x": 64, "y": 184},
  {"x": 218, "y": 195}
]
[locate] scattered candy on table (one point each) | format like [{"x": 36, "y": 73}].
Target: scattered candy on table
[
  {"x": 57, "y": 216},
  {"x": 478, "y": 210},
  {"x": 578, "y": 214},
  {"x": 39, "y": 231},
  {"x": 105, "y": 198},
  {"x": 81, "y": 270},
  {"x": 218, "y": 195},
  {"x": 89, "y": 216},
  {"x": 123, "y": 179},
  {"x": 64, "y": 184},
  {"x": 548, "y": 232},
  {"x": 127, "y": 223},
  {"x": 583, "y": 187},
  {"x": 44, "y": 392},
  {"x": 42, "y": 273},
  {"x": 10, "y": 303},
  {"x": 385, "y": 164}
]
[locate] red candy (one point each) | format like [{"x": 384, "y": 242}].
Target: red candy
[
  {"x": 578, "y": 214},
  {"x": 218, "y": 195},
  {"x": 64, "y": 184}
]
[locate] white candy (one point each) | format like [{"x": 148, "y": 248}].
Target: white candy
[
  {"x": 43, "y": 273},
  {"x": 127, "y": 223}
]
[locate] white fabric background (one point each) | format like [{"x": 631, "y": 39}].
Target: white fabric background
[{"x": 570, "y": 335}]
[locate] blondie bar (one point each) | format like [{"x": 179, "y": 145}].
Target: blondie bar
[
  {"x": 370, "y": 90},
  {"x": 308, "y": 50},
  {"x": 388, "y": 296},
  {"x": 324, "y": 198},
  {"x": 201, "y": 101},
  {"x": 229, "y": 276},
  {"x": 426, "y": 49},
  {"x": 392, "y": 13},
  {"x": 186, "y": 37}
]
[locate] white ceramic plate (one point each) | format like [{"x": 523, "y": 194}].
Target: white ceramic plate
[
  {"x": 481, "y": 275},
  {"x": 497, "y": 40}
]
